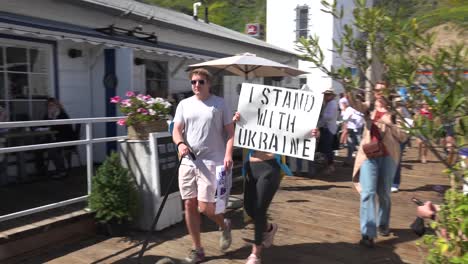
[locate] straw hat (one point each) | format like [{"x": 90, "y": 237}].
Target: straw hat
[{"x": 329, "y": 91}]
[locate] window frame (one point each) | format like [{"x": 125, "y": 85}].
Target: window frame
[
  {"x": 163, "y": 65},
  {"x": 302, "y": 32},
  {"x": 50, "y": 73}
]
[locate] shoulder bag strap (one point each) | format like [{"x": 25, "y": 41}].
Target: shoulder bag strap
[
  {"x": 244, "y": 166},
  {"x": 283, "y": 166}
]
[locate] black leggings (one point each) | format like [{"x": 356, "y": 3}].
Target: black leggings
[{"x": 263, "y": 179}]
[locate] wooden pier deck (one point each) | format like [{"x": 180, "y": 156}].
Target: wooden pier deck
[{"x": 318, "y": 221}]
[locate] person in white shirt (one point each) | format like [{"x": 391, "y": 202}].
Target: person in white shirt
[
  {"x": 203, "y": 124},
  {"x": 344, "y": 131},
  {"x": 328, "y": 128},
  {"x": 354, "y": 123},
  {"x": 404, "y": 113}
]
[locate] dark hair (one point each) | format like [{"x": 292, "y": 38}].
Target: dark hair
[
  {"x": 201, "y": 71},
  {"x": 55, "y": 101}
]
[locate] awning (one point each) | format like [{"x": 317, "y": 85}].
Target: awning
[{"x": 47, "y": 29}]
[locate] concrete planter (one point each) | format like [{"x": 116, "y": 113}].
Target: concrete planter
[
  {"x": 153, "y": 162},
  {"x": 141, "y": 130}
]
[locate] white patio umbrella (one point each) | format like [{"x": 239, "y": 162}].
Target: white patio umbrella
[{"x": 250, "y": 66}]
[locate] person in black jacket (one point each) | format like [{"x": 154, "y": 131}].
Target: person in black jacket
[
  {"x": 55, "y": 110},
  {"x": 64, "y": 132}
]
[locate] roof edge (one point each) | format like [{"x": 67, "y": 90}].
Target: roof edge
[{"x": 179, "y": 27}]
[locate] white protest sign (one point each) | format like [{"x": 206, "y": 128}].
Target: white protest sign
[
  {"x": 223, "y": 187},
  {"x": 277, "y": 120}
]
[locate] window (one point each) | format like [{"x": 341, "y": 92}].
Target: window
[
  {"x": 272, "y": 81},
  {"x": 302, "y": 81},
  {"x": 156, "y": 78},
  {"x": 302, "y": 21},
  {"x": 25, "y": 79}
]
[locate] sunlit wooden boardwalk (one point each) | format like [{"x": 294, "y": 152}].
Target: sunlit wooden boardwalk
[{"x": 318, "y": 219}]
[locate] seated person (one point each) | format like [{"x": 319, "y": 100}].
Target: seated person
[{"x": 65, "y": 132}]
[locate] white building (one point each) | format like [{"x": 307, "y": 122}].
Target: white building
[
  {"x": 84, "y": 51},
  {"x": 289, "y": 20}
]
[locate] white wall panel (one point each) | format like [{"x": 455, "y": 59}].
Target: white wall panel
[{"x": 74, "y": 80}]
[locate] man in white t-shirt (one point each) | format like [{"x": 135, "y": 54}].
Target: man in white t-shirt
[
  {"x": 203, "y": 124},
  {"x": 354, "y": 123}
]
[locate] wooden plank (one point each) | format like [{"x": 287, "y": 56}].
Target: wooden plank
[{"x": 318, "y": 219}]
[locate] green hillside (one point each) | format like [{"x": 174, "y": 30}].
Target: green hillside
[
  {"x": 431, "y": 13},
  {"x": 233, "y": 14}
]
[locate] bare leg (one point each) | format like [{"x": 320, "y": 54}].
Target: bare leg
[
  {"x": 192, "y": 219},
  {"x": 421, "y": 151},
  {"x": 450, "y": 146},
  {"x": 257, "y": 250},
  {"x": 344, "y": 134},
  {"x": 424, "y": 153},
  {"x": 208, "y": 209}
]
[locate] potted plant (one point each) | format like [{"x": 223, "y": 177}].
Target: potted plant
[
  {"x": 114, "y": 196},
  {"x": 144, "y": 114}
]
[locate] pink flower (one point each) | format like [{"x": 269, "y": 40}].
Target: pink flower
[
  {"x": 121, "y": 122},
  {"x": 126, "y": 103},
  {"x": 141, "y": 97},
  {"x": 143, "y": 111},
  {"x": 140, "y": 108},
  {"x": 115, "y": 99}
]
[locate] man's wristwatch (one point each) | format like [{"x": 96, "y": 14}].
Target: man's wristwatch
[{"x": 181, "y": 142}]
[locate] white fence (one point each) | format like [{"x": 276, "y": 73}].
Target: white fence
[{"x": 88, "y": 141}]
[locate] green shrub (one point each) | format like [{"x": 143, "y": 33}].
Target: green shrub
[
  {"x": 114, "y": 194},
  {"x": 379, "y": 43},
  {"x": 449, "y": 243}
]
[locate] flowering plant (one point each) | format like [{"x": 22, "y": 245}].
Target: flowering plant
[{"x": 140, "y": 108}]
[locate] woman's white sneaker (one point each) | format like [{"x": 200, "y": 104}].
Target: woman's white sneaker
[{"x": 253, "y": 259}]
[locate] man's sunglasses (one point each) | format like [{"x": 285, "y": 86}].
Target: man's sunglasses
[{"x": 201, "y": 82}]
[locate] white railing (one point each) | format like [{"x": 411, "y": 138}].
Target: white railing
[{"x": 88, "y": 141}]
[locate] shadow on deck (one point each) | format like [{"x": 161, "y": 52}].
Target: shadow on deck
[{"x": 318, "y": 221}]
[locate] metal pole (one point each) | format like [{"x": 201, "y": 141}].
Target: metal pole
[{"x": 89, "y": 154}]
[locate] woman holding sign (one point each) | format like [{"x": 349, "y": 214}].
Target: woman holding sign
[{"x": 262, "y": 181}]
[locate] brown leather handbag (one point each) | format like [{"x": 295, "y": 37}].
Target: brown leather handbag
[{"x": 374, "y": 149}]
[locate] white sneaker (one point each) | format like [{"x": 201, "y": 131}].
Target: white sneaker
[
  {"x": 225, "y": 239},
  {"x": 253, "y": 259},
  {"x": 394, "y": 189}
]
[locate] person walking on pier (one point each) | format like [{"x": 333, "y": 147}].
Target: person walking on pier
[
  {"x": 262, "y": 171},
  {"x": 203, "y": 124},
  {"x": 374, "y": 175}
]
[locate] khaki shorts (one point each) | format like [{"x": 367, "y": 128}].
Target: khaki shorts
[{"x": 198, "y": 182}]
